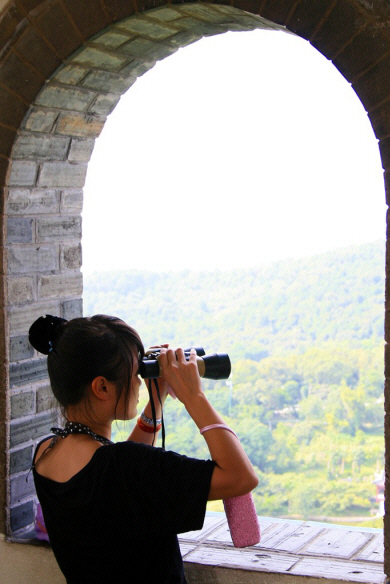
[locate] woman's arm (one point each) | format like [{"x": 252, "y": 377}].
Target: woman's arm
[
  {"x": 234, "y": 474},
  {"x": 139, "y": 435}
]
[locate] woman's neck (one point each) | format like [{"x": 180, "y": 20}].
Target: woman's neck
[{"x": 101, "y": 427}]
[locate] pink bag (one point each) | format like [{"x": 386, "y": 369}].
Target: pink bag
[
  {"x": 242, "y": 520},
  {"x": 40, "y": 528}
]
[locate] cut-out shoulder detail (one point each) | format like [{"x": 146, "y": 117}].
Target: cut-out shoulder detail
[{"x": 62, "y": 460}]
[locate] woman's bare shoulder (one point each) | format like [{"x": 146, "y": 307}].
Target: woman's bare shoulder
[{"x": 65, "y": 457}]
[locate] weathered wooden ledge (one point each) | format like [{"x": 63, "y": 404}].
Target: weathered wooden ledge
[{"x": 289, "y": 552}]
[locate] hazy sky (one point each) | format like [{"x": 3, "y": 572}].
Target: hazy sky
[{"x": 240, "y": 149}]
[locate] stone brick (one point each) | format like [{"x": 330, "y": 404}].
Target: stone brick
[
  {"x": 59, "y": 228},
  {"x": 45, "y": 147},
  {"x": 65, "y": 39},
  {"x": 72, "y": 308},
  {"x": 380, "y": 120},
  {"x": 362, "y": 52},
  {"x": 104, "y": 104},
  {"x": 4, "y": 165},
  {"x": 62, "y": 174},
  {"x": 384, "y": 147},
  {"x": 20, "y": 460},
  {"x": 342, "y": 24},
  {"x": 10, "y": 21},
  {"x": 88, "y": 126},
  {"x": 70, "y": 74},
  {"x": 23, "y": 174},
  {"x": 138, "y": 67},
  {"x": 22, "y": 317},
  {"x": 200, "y": 27},
  {"x": 112, "y": 39},
  {"x": 26, "y": 259},
  {"x": 72, "y": 202},
  {"x": 307, "y": 17},
  {"x": 45, "y": 399},
  {"x": 31, "y": 429},
  {"x": 213, "y": 14},
  {"x": 71, "y": 257},
  {"x": 28, "y": 371},
  {"x": 21, "y": 516},
  {"x": 12, "y": 110},
  {"x": 141, "y": 47},
  {"x": 387, "y": 186},
  {"x": 183, "y": 38},
  {"x": 20, "y": 348},
  {"x": 63, "y": 97},
  {"x": 22, "y": 404},
  {"x": 33, "y": 201},
  {"x": 107, "y": 81},
  {"x": 20, "y": 290},
  {"x": 20, "y": 488},
  {"x": 88, "y": 16},
  {"x": 35, "y": 51},
  {"x": 118, "y": 9},
  {"x": 19, "y": 230},
  {"x": 19, "y": 77},
  {"x": 99, "y": 59},
  {"x": 60, "y": 285},
  {"x": 165, "y": 14},
  {"x": 40, "y": 120},
  {"x": 81, "y": 149},
  {"x": 7, "y": 138},
  {"x": 142, "y": 26}
]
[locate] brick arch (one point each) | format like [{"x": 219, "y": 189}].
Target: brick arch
[{"x": 63, "y": 67}]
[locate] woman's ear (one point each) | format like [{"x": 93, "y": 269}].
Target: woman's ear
[{"x": 101, "y": 388}]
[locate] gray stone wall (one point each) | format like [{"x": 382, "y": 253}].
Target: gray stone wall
[{"x": 49, "y": 164}]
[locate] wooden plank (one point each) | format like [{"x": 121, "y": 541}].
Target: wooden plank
[
  {"x": 373, "y": 551},
  {"x": 241, "y": 559},
  {"x": 298, "y": 539},
  {"x": 211, "y": 522},
  {"x": 342, "y": 570},
  {"x": 338, "y": 543},
  {"x": 222, "y": 534},
  {"x": 281, "y": 532},
  {"x": 186, "y": 548}
]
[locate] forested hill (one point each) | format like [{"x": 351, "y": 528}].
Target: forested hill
[
  {"x": 306, "y": 392},
  {"x": 252, "y": 313}
]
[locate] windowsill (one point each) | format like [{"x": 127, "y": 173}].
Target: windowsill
[
  {"x": 289, "y": 551},
  {"x": 290, "y": 548}
]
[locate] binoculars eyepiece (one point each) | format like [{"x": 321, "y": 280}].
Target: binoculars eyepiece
[{"x": 214, "y": 366}]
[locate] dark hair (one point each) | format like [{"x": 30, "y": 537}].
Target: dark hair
[{"x": 84, "y": 348}]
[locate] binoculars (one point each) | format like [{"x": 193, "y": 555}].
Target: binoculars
[{"x": 214, "y": 366}]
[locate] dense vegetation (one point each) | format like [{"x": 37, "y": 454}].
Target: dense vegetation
[{"x": 306, "y": 392}]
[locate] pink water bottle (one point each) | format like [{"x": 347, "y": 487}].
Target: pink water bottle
[{"x": 242, "y": 520}]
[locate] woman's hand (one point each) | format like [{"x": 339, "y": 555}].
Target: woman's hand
[
  {"x": 163, "y": 385},
  {"x": 180, "y": 375}
]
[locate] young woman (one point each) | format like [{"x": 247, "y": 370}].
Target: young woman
[{"x": 113, "y": 511}]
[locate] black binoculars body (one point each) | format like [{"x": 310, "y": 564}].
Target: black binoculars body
[{"x": 214, "y": 366}]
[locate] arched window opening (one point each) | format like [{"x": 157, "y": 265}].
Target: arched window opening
[{"x": 235, "y": 199}]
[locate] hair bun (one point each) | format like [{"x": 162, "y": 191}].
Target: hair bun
[{"x": 43, "y": 332}]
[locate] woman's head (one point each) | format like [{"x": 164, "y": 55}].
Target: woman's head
[{"x": 82, "y": 349}]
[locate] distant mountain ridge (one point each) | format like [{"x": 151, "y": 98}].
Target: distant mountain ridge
[{"x": 284, "y": 307}]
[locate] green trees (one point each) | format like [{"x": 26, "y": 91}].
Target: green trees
[{"x": 306, "y": 393}]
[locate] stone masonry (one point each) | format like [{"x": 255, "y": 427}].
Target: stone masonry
[
  {"x": 64, "y": 65},
  {"x": 49, "y": 165}
]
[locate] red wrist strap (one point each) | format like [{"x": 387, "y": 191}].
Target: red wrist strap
[{"x": 146, "y": 428}]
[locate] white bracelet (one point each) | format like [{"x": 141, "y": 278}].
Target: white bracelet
[
  {"x": 149, "y": 421},
  {"x": 212, "y": 426}
]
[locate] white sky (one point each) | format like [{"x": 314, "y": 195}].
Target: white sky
[{"x": 238, "y": 150}]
